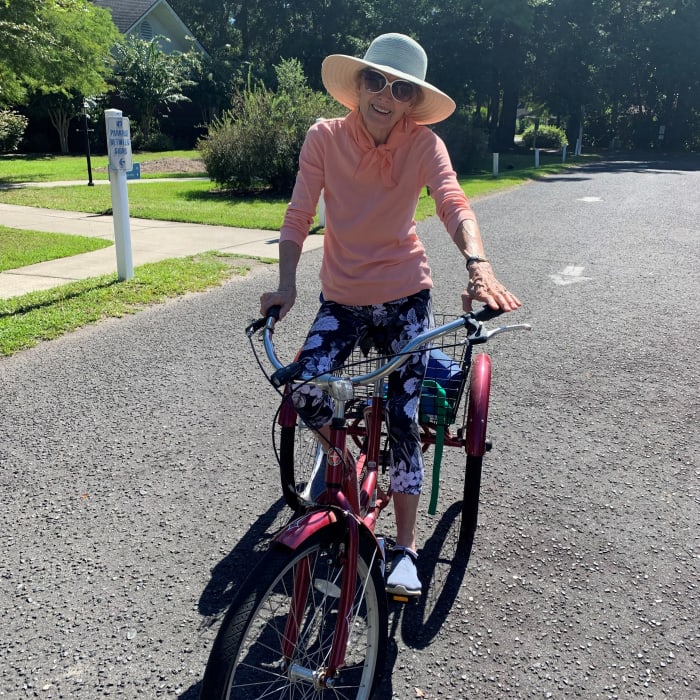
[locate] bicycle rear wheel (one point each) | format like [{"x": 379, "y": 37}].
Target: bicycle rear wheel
[
  {"x": 302, "y": 464},
  {"x": 477, "y": 418},
  {"x": 300, "y": 456},
  {"x": 246, "y": 660}
]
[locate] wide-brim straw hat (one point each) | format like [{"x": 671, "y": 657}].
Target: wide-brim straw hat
[{"x": 397, "y": 55}]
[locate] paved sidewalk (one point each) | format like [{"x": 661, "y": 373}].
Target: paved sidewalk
[{"x": 150, "y": 240}]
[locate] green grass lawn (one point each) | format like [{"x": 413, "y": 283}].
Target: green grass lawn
[
  {"x": 19, "y": 248},
  {"x": 31, "y": 318},
  {"x": 50, "y": 167},
  {"x": 192, "y": 202}
]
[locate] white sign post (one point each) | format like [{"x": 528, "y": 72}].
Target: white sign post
[{"x": 120, "y": 160}]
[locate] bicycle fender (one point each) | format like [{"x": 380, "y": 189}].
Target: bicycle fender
[
  {"x": 477, "y": 415},
  {"x": 300, "y": 529}
]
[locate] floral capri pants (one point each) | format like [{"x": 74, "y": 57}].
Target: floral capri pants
[{"x": 332, "y": 337}]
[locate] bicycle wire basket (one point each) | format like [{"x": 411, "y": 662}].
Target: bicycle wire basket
[{"x": 445, "y": 378}]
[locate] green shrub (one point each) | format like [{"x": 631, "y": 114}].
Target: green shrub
[
  {"x": 547, "y": 137},
  {"x": 12, "y": 128},
  {"x": 155, "y": 141},
  {"x": 256, "y": 143}
]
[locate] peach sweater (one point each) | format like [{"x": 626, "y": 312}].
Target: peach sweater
[{"x": 371, "y": 251}]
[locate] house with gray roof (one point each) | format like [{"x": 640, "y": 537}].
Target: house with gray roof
[{"x": 146, "y": 19}]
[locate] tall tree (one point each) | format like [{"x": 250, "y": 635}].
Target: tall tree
[
  {"x": 151, "y": 79},
  {"x": 24, "y": 45},
  {"x": 79, "y": 61},
  {"x": 674, "y": 44},
  {"x": 482, "y": 53},
  {"x": 55, "y": 51},
  {"x": 53, "y": 47},
  {"x": 568, "y": 52}
]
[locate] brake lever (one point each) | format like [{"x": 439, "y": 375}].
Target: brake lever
[
  {"x": 478, "y": 334},
  {"x": 254, "y": 326},
  {"x": 505, "y": 329}
]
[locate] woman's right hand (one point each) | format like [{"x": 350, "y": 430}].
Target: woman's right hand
[{"x": 284, "y": 298}]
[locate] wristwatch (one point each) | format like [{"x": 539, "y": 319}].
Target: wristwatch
[{"x": 475, "y": 259}]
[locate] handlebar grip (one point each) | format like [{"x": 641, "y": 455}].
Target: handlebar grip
[
  {"x": 487, "y": 313},
  {"x": 287, "y": 374},
  {"x": 273, "y": 312}
]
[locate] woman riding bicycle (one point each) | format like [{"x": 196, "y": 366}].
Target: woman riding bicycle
[{"x": 371, "y": 166}]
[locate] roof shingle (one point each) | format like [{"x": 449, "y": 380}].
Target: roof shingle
[{"x": 126, "y": 13}]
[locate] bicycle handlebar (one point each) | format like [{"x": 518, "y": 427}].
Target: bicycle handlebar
[{"x": 284, "y": 374}]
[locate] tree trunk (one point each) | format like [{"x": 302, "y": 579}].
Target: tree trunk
[
  {"x": 505, "y": 134},
  {"x": 60, "y": 119}
]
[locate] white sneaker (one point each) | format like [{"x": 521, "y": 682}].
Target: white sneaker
[{"x": 403, "y": 579}]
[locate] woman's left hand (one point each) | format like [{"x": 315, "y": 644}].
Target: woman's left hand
[{"x": 483, "y": 286}]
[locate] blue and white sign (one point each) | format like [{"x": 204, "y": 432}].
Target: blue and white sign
[
  {"x": 119, "y": 143},
  {"x": 134, "y": 173}
]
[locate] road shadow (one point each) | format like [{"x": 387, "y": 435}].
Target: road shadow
[
  {"x": 192, "y": 693},
  {"x": 442, "y": 564},
  {"x": 229, "y": 573},
  {"x": 641, "y": 163}
]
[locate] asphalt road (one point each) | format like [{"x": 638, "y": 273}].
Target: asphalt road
[{"x": 137, "y": 483}]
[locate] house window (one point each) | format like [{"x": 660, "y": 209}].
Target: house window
[{"x": 146, "y": 31}]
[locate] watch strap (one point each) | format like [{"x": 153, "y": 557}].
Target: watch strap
[{"x": 475, "y": 259}]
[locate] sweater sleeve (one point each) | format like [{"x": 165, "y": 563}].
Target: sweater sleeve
[
  {"x": 451, "y": 204},
  {"x": 307, "y": 189}
]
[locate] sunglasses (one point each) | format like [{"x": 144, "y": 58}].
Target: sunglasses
[{"x": 401, "y": 90}]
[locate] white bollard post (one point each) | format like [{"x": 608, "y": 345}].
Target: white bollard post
[
  {"x": 120, "y": 160},
  {"x": 537, "y": 157},
  {"x": 563, "y": 153},
  {"x": 495, "y": 164}
]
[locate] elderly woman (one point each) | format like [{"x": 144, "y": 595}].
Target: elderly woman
[{"x": 372, "y": 165}]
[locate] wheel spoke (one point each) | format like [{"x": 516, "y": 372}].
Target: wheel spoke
[{"x": 249, "y": 645}]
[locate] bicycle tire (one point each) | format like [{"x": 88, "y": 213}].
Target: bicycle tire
[
  {"x": 245, "y": 660},
  {"x": 470, "y": 501},
  {"x": 298, "y": 452},
  {"x": 477, "y": 420},
  {"x": 299, "y": 455}
]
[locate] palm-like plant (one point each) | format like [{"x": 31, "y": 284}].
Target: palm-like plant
[{"x": 151, "y": 79}]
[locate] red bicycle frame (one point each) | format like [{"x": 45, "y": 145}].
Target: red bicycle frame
[{"x": 349, "y": 494}]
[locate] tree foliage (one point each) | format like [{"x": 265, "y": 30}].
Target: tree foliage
[
  {"x": 626, "y": 67},
  {"x": 151, "y": 79},
  {"x": 58, "y": 54}
]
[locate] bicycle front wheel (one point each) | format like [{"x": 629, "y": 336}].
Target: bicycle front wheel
[{"x": 246, "y": 661}]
